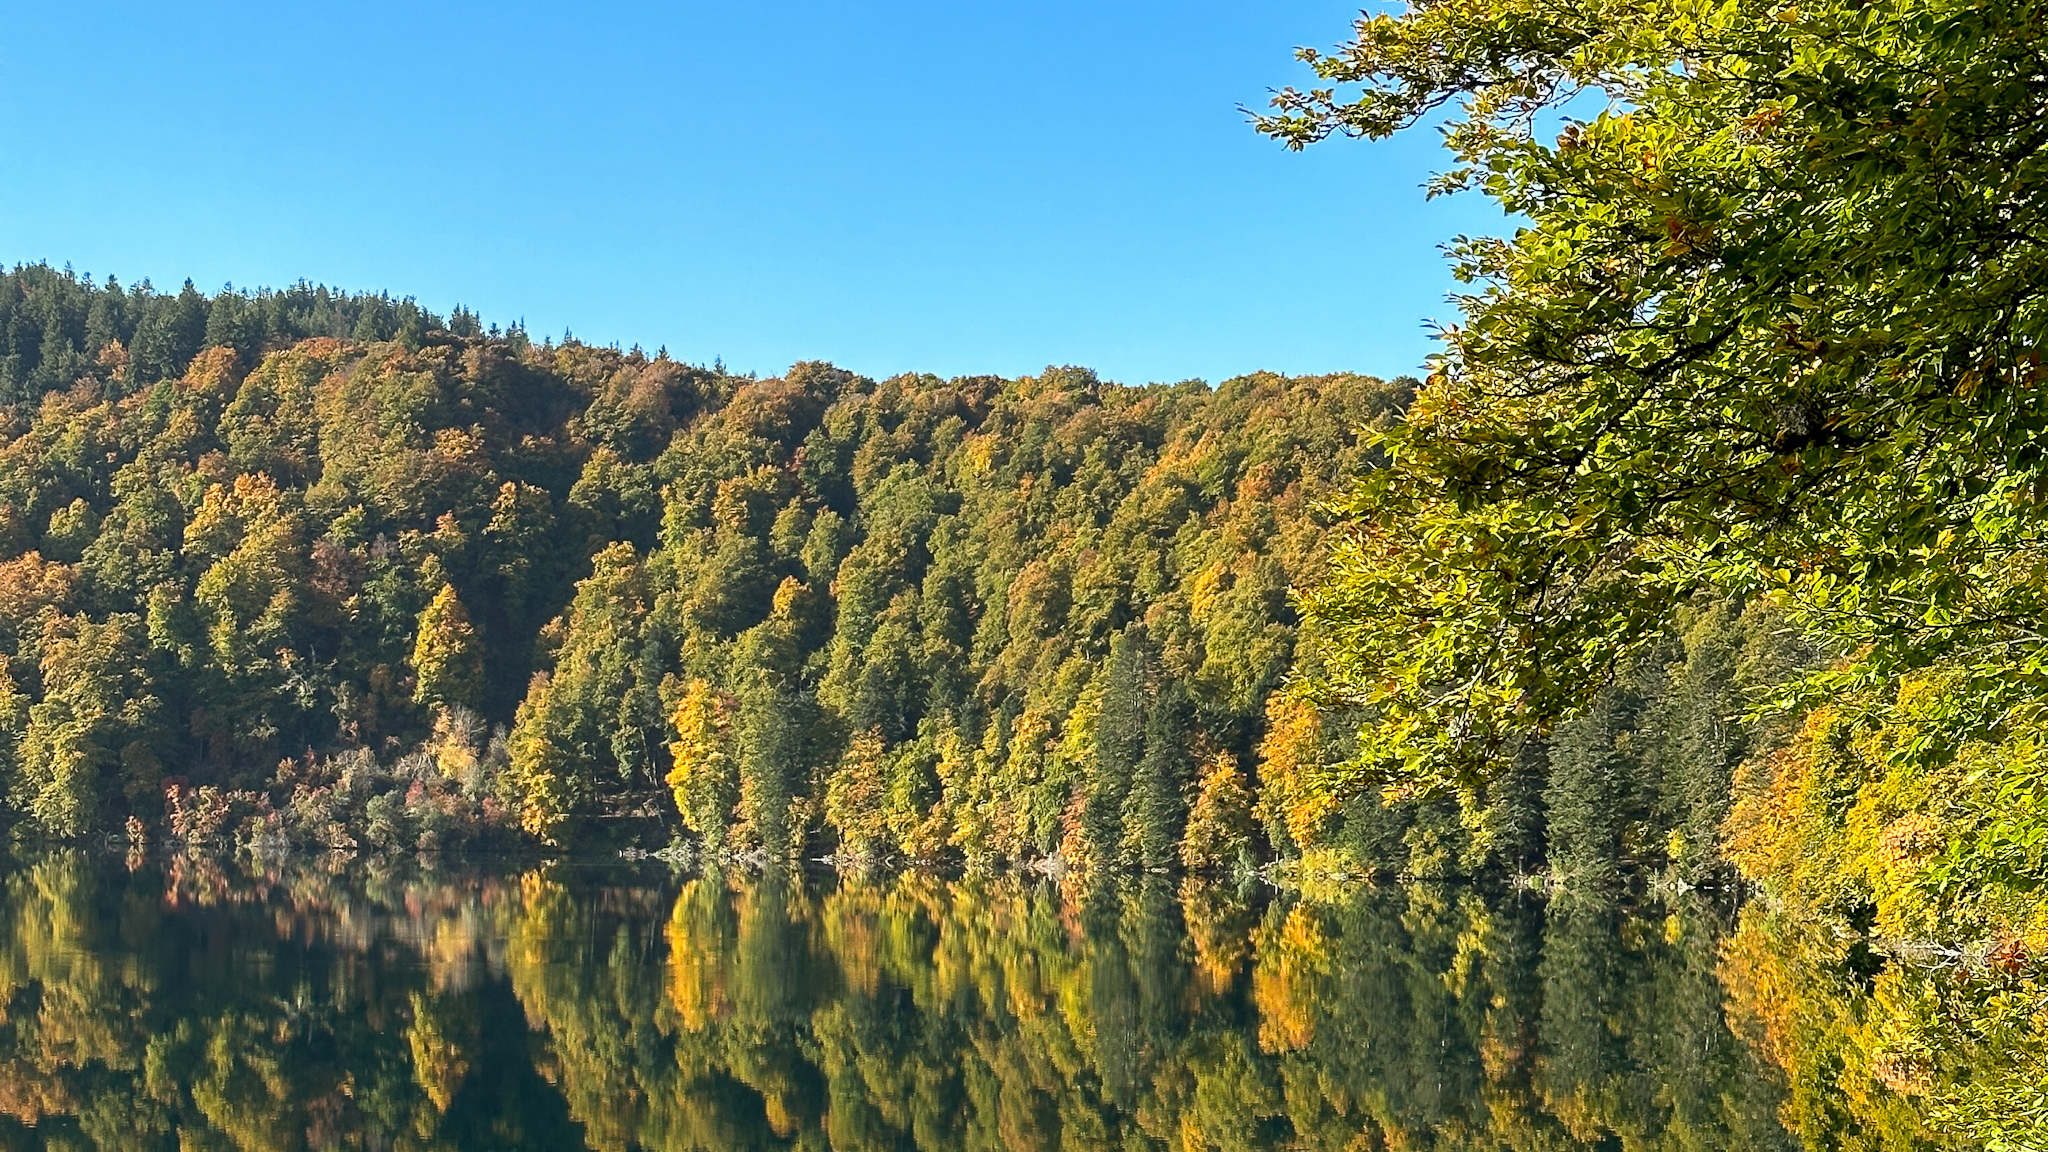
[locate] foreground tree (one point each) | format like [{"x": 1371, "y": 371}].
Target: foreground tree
[{"x": 1773, "y": 325}]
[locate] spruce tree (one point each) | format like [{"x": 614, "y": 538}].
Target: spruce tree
[
  {"x": 1119, "y": 743},
  {"x": 770, "y": 752},
  {"x": 1156, "y": 808},
  {"x": 1588, "y": 796}
]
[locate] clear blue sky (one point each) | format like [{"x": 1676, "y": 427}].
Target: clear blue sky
[{"x": 983, "y": 186}]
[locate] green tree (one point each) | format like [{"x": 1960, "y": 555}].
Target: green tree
[
  {"x": 1595, "y": 792},
  {"x": 90, "y": 729},
  {"x": 856, "y": 797},
  {"x": 1768, "y": 324},
  {"x": 1119, "y": 745},
  {"x": 171, "y": 332},
  {"x": 1156, "y": 807},
  {"x": 588, "y": 721}
]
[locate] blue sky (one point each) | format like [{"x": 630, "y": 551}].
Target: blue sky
[{"x": 990, "y": 186}]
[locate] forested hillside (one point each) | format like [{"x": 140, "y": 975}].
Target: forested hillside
[{"x": 301, "y": 567}]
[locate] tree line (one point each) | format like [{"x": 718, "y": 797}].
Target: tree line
[
  {"x": 336, "y": 571},
  {"x": 56, "y": 325},
  {"x": 428, "y": 585}
]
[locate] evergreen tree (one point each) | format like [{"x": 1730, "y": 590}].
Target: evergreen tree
[
  {"x": 1156, "y": 806},
  {"x": 1592, "y": 796},
  {"x": 1120, "y": 730},
  {"x": 770, "y": 745},
  {"x": 171, "y": 332}
]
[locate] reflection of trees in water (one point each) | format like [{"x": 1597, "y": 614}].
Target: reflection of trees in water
[
  {"x": 1919, "y": 1052},
  {"x": 316, "y": 1008},
  {"x": 992, "y": 1014},
  {"x": 206, "y": 1008}
]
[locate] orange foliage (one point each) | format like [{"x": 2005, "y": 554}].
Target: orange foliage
[
  {"x": 1777, "y": 830},
  {"x": 1288, "y": 762},
  {"x": 29, "y": 584},
  {"x": 1284, "y": 982}
]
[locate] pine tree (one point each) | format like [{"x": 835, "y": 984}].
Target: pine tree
[
  {"x": 1590, "y": 792},
  {"x": 1155, "y": 811},
  {"x": 770, "y": 751},
  {"x": 172, "y": 331}
]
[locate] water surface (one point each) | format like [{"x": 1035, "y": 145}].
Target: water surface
[{"x": 186, "y": 1005}]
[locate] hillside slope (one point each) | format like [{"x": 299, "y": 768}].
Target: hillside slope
[{"x": 288, "y": 559}]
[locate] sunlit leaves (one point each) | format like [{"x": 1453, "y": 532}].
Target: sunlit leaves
[{"x": 1769, "y": 327}]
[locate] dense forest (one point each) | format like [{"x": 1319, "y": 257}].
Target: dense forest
[
  {"x": 301, "y": 568},
  {"x": 1713, "y": 543},
  {"x": 307, "y": 569}
]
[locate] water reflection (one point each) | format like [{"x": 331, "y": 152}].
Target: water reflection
[{"x": 190, "y": 1007}]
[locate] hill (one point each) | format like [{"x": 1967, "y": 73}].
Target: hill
[{"x": 306, "y": 567}]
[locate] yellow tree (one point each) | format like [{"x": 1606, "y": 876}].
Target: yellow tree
[
  {"x": 1220, "y": 825},
  {"x": 1292, "y": 803},
  {"x": 855, "y": 797},
  {"x": 542, "y": 772},
  {"x": 447, "y": 657},
  {"x": 705, "y": 778}
]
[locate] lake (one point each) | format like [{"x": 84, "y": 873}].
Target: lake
[{"x": 350, "y": 1004}]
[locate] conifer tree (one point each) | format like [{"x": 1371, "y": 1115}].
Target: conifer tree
[
  {"x": 770, "y": 753},
  {"x": 1155, "y": 810},
  {"x": 1589, "y": 797},
  {"x": 1119, "y": 743}
]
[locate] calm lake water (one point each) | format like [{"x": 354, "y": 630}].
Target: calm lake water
[{"x": 153, "y": 1005}]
